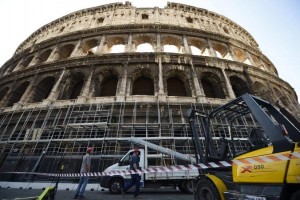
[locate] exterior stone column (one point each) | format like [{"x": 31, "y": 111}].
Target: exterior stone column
[
  {"x": 100, "y": 46},
  {"x": 35, "y": 60},
  {"x": 129, "y": 85},
  {"x": 228, "y": 85},
  {"x": 161, "y": 93},
  {"x": 128, "y": 46},
  {"x": 78, "y": 50},
  {"x": 19, "y": 66},
  {"x": 249, "y": 57},
  {"x": 271, "y": 92},
  {"x": 55, "y": 54},
  {"x": 231, "y": 52},
  {"x": 123, "y": 82},
  {"x": 55, "y": 90},
  {"x": 199, "y": 93},
  {"x": 211, "y": 49},
  {"x": 85, "y": 93},
  {"x": 8, "y": 94},
  {"x": 187, "y": 49},
  {"x": 158, "y": 43},
  {"x": 247, "y": 76}
]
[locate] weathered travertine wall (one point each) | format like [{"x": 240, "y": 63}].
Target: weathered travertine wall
[{"x": 144, "y": 65}]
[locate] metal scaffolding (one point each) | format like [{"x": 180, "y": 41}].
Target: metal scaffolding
[{"x": 38, "y": 139}]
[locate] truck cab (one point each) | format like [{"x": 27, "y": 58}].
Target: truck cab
[
  {"x": 182, "y": 179},
  {"x": 115, "y": 182}
]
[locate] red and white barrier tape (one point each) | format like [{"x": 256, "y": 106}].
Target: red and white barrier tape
[{"x": 176, "y": 168}]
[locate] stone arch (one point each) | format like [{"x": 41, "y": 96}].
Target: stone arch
[
  {"x": 3, "y": 92},
  {"x": 257, "y": 62},
  {"x": 42, "y": 89},
  {"x": 27, "y": 61},
  {"x": 284, "y": 100},
  {"x": 106, "y": 83},
  {"x": 240, "y": 55},
  {"x": 198, "y": 47},
  {"x": 261, "y": 90},
  {"x": 73, "y": 86},
  {"x": 90, "y": 46},
  {"x": 65, "y": 51},
  {"x": 9, "y": 69},
  {"x": 23, "y": 63},
  {"x": 143, "y": 83},
  {"x": 17, "y": 94},
  {"x": 143, "y": 43},
  {"x": 177, "y": 83},
  {"x": 115, "y": 44},
  {"x": 212, "y": 86},
  {"x": 221, "y": 50},
  {"x": 239, "y": 86},
  {"x": 172, "y": 44},
  {"x": 43, "y": 57}
]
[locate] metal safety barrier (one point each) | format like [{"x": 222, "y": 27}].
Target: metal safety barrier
[{"x": 175, "y": 168}]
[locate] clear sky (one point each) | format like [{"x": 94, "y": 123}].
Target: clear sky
[{"x": 274, "y": 24}]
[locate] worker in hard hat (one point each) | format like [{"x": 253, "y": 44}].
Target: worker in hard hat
[
  {"x": 85, "y": 168},
  {"x": 135, "y": 178}
]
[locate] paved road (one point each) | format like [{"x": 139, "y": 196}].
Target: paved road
[{"x": 150, "y": 194}]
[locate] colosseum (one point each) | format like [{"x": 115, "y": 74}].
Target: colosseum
[{"x": 101, "y": 75}]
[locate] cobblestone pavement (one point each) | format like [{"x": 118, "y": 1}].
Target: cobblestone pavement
[{"x": 155, "y": 194}]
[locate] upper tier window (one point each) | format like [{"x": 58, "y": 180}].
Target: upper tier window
[{"x": 145, "y": 16}]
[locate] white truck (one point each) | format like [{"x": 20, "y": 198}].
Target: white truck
[{"x": 182, "y": 179}]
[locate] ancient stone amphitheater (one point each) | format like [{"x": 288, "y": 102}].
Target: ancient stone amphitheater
[{"x": 101, "y": 75}]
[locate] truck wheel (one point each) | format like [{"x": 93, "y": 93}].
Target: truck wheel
[
  {"x": 296, "y": 195},
  {"x": 206, "y": 190},
  {"x": 115, "y": 185}
]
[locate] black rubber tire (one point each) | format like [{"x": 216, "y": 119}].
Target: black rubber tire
[
  {"x": 115, "y": 185},
  {"x": 206, "y": 190},
  {"x": 295, "y": 195}
]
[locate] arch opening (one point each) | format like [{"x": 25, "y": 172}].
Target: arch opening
[
  {"x": 73, "y": 86},
  {"x": 3, "y": 93},
  {"x": 109, "y": 87},
  {"x": 175, "y": 87},
  {"x": 43, "y": 57},
  {"x": 144, "y": 47},
  {"x": 43, "y": 89},
  {"x": 90, "y": 47},
  {"x": 17, "y": 94},
  {"x": 212, "y": 86},
  {"x": 65, "y": 51},
  {"x": 239, "y": 86},
  {"x": 143, "y": 86}
]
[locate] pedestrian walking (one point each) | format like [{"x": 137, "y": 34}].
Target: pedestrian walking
[
  {"x": 135, "y": 178},
  {"x": 85, "y": 168}
]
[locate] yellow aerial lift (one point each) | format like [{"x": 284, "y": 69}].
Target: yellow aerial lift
[{"x": 264, "y": 166}]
